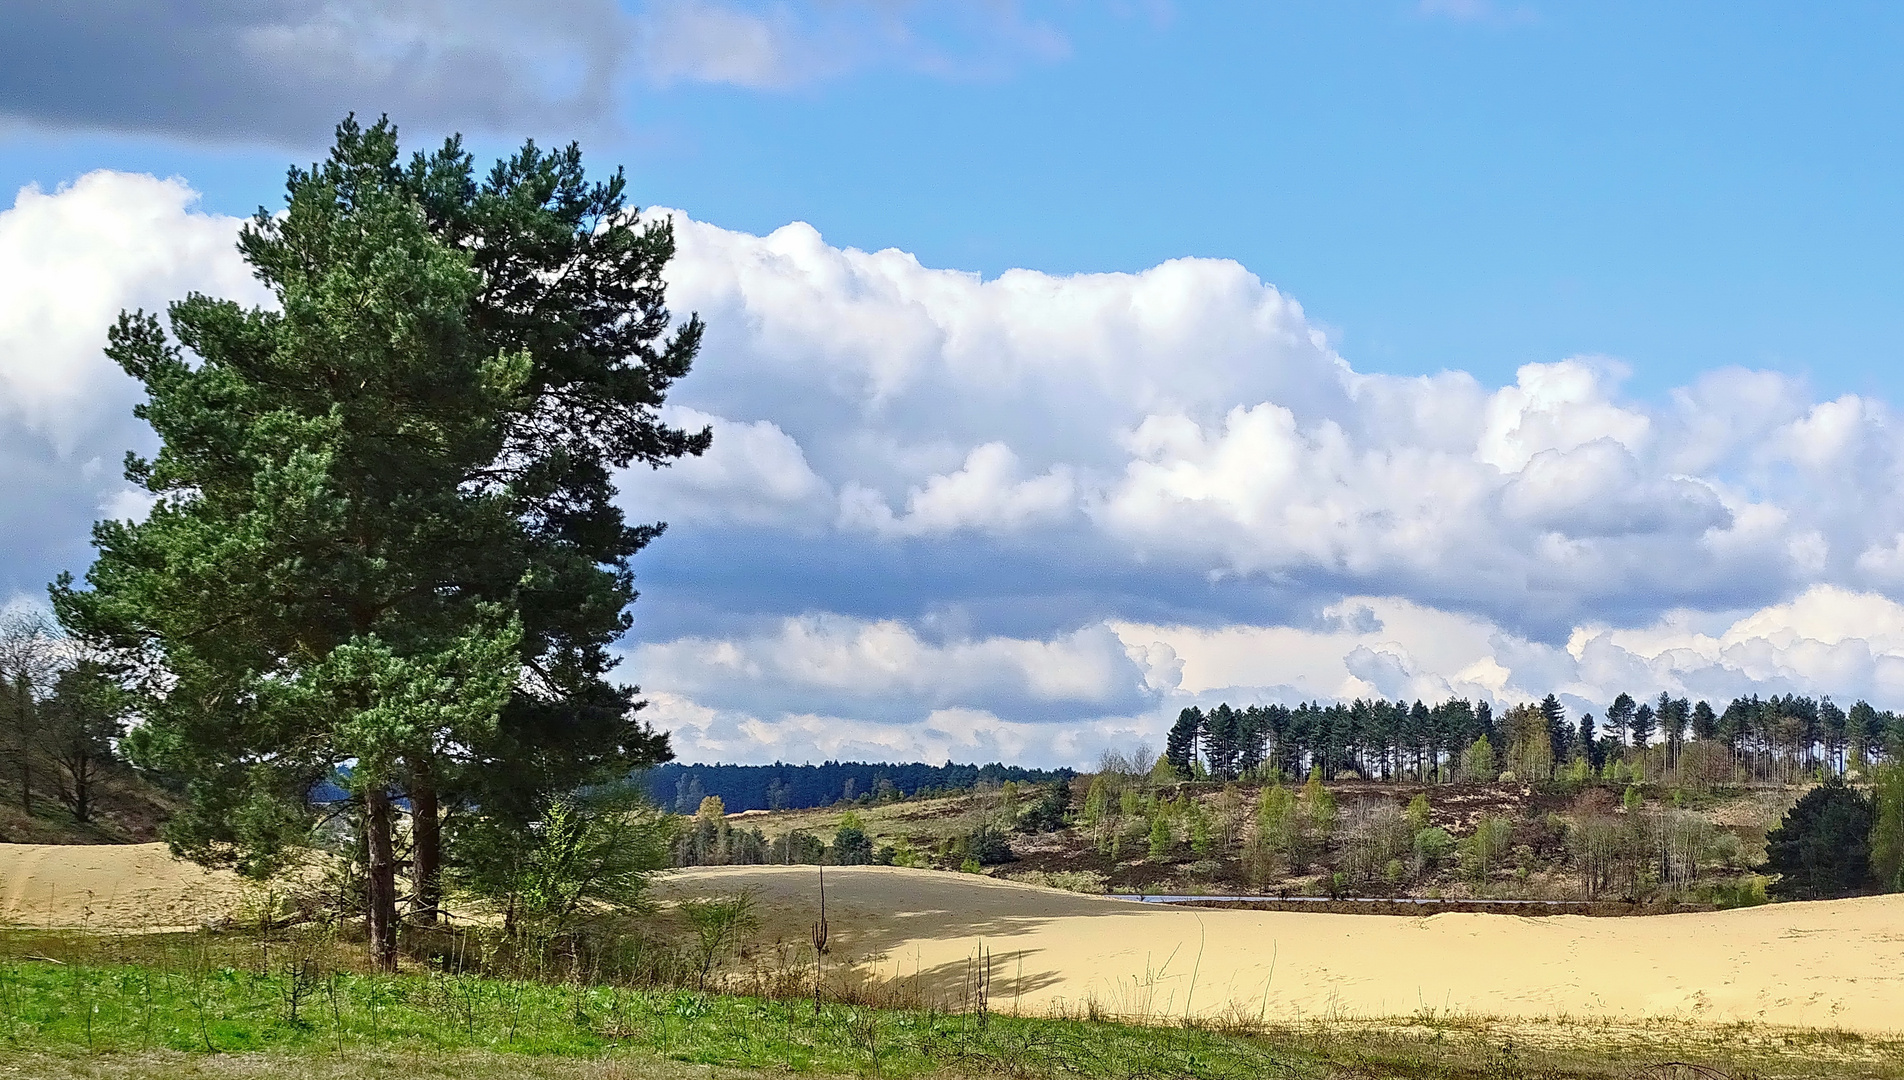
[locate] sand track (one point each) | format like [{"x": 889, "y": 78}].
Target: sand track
[{"x": 1835, "y": 964}]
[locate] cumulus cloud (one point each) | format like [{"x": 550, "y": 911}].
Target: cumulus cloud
[
  {"x": 887, "y": 668},
  {"x": 1190, "y": 416},
  {"x": 284, "y": 71},
  {"x": 1825, "y": 642},
  {"x": 986, "y": 494},
  {"x": 70, "y": 261},
  {"x": 1038, "y": 511}
]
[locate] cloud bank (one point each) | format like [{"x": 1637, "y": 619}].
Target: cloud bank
[{"x": 1034, "y": 515}]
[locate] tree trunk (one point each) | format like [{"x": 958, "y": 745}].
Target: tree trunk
[
  {"x": 381, "y": 887},
  {"x": 426, "y": 828}
]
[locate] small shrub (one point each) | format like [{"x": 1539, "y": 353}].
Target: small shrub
[{"x": 1432, "y": 846}]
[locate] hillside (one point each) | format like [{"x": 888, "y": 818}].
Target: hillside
[
  {"x": 1643, "y": 843},
  {"x": 128, "y": 810}
]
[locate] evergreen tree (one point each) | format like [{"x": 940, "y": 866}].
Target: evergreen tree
[
  {"x": 1833, "y": 729},
  {"x": 80, "y": 722},
  {"x": 385, "y": 549},
  {"x": 1675, "y": 715},
  {"x": 1642, "y": 726},
  {"x": 1619, "y": 717},
  {"x": 1864, "y": 733},
  {"x": 1484, "y": 723},
  {"x": 1180, "y": 745},
  {"x": 1587, "y": 743},
  {"x": 1823, "y": 847},
  {"x": 1705, "y": 722},
  {"x": 1252, "y": 740},
  {"x": 1221, "y": 742},
  {"x": 1558, "y": 735}
]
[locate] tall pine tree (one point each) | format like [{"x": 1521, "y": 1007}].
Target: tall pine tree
[{"x": 384, "y": 547}]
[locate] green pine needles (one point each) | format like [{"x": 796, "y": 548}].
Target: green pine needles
[{"x": 384, "y": 552}]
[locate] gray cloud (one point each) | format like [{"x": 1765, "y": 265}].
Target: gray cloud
[{"x": 283, "y": 71}]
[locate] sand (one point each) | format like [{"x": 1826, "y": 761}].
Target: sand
[
  {"x": 110, "y": 887},
  {"x": 1833, "y": 964}
]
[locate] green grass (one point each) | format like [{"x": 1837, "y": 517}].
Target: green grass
[{"x": 196, "y": 1006}]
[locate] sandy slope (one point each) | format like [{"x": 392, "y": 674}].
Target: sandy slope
[
  {"x": 124, "y": 886},
  {"x": 1837, "y": 964}
]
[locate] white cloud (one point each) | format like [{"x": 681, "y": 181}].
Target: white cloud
[
  {"x": 70, "y": 261},
  {"x": 1040, "y": 510},
  {"x": 887, "y": 663},
  {"x": 754, "y": 473},
  {"x": 1556, "y": 407},
  {"x": 986, "y": 495}
]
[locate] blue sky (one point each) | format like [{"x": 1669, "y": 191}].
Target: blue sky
[
  {"x": 1683, "y": 215},
  {"x": 1470, "y": 185}
]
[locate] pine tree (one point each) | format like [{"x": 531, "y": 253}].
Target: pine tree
[
  {"x": 1705, "y": 722},
  {"x": 385, "y": 549},
  {"x": 1619, "y": 717},
  {"x": 1180, "y": 745},
  {"x": 1220, "y": 741},
  {"x": 1642, "y": 726},
  {"x": 1558, "y": 736}
]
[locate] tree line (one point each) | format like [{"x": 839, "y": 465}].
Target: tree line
[
  {"x": 798, "y": 787},
  {"x": 1779, "y": 738}
]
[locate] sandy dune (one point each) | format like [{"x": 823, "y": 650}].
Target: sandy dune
[
  {"x": 1837, "y": 964},
  {"x": 117, "y": 886}
]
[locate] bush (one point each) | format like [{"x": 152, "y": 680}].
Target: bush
[
  {"x": 984, "y": 846},
  {"x": 851, "y": 845},
  {"x": 1483, "y": 850},
  {"x": 1046, "y": 812},
  {"x": 1823, "y": 847},
  {"x": 1432, "y": 845},
  {"x": 578, "y": 852},
  {"x": 1742, "y": 892}
]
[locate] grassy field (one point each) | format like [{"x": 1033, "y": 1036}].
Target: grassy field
[{"x": 224, "y": 1006}]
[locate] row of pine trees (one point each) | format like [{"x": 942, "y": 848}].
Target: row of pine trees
[{"x": 1772, "y": 739}]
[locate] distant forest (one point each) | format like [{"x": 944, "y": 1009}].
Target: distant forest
[{"x": 797, "y": 787}]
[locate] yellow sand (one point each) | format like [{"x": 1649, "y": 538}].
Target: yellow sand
[
  {"x": 1834, "y": 964},
  {"x": 110, "y": 886}
]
